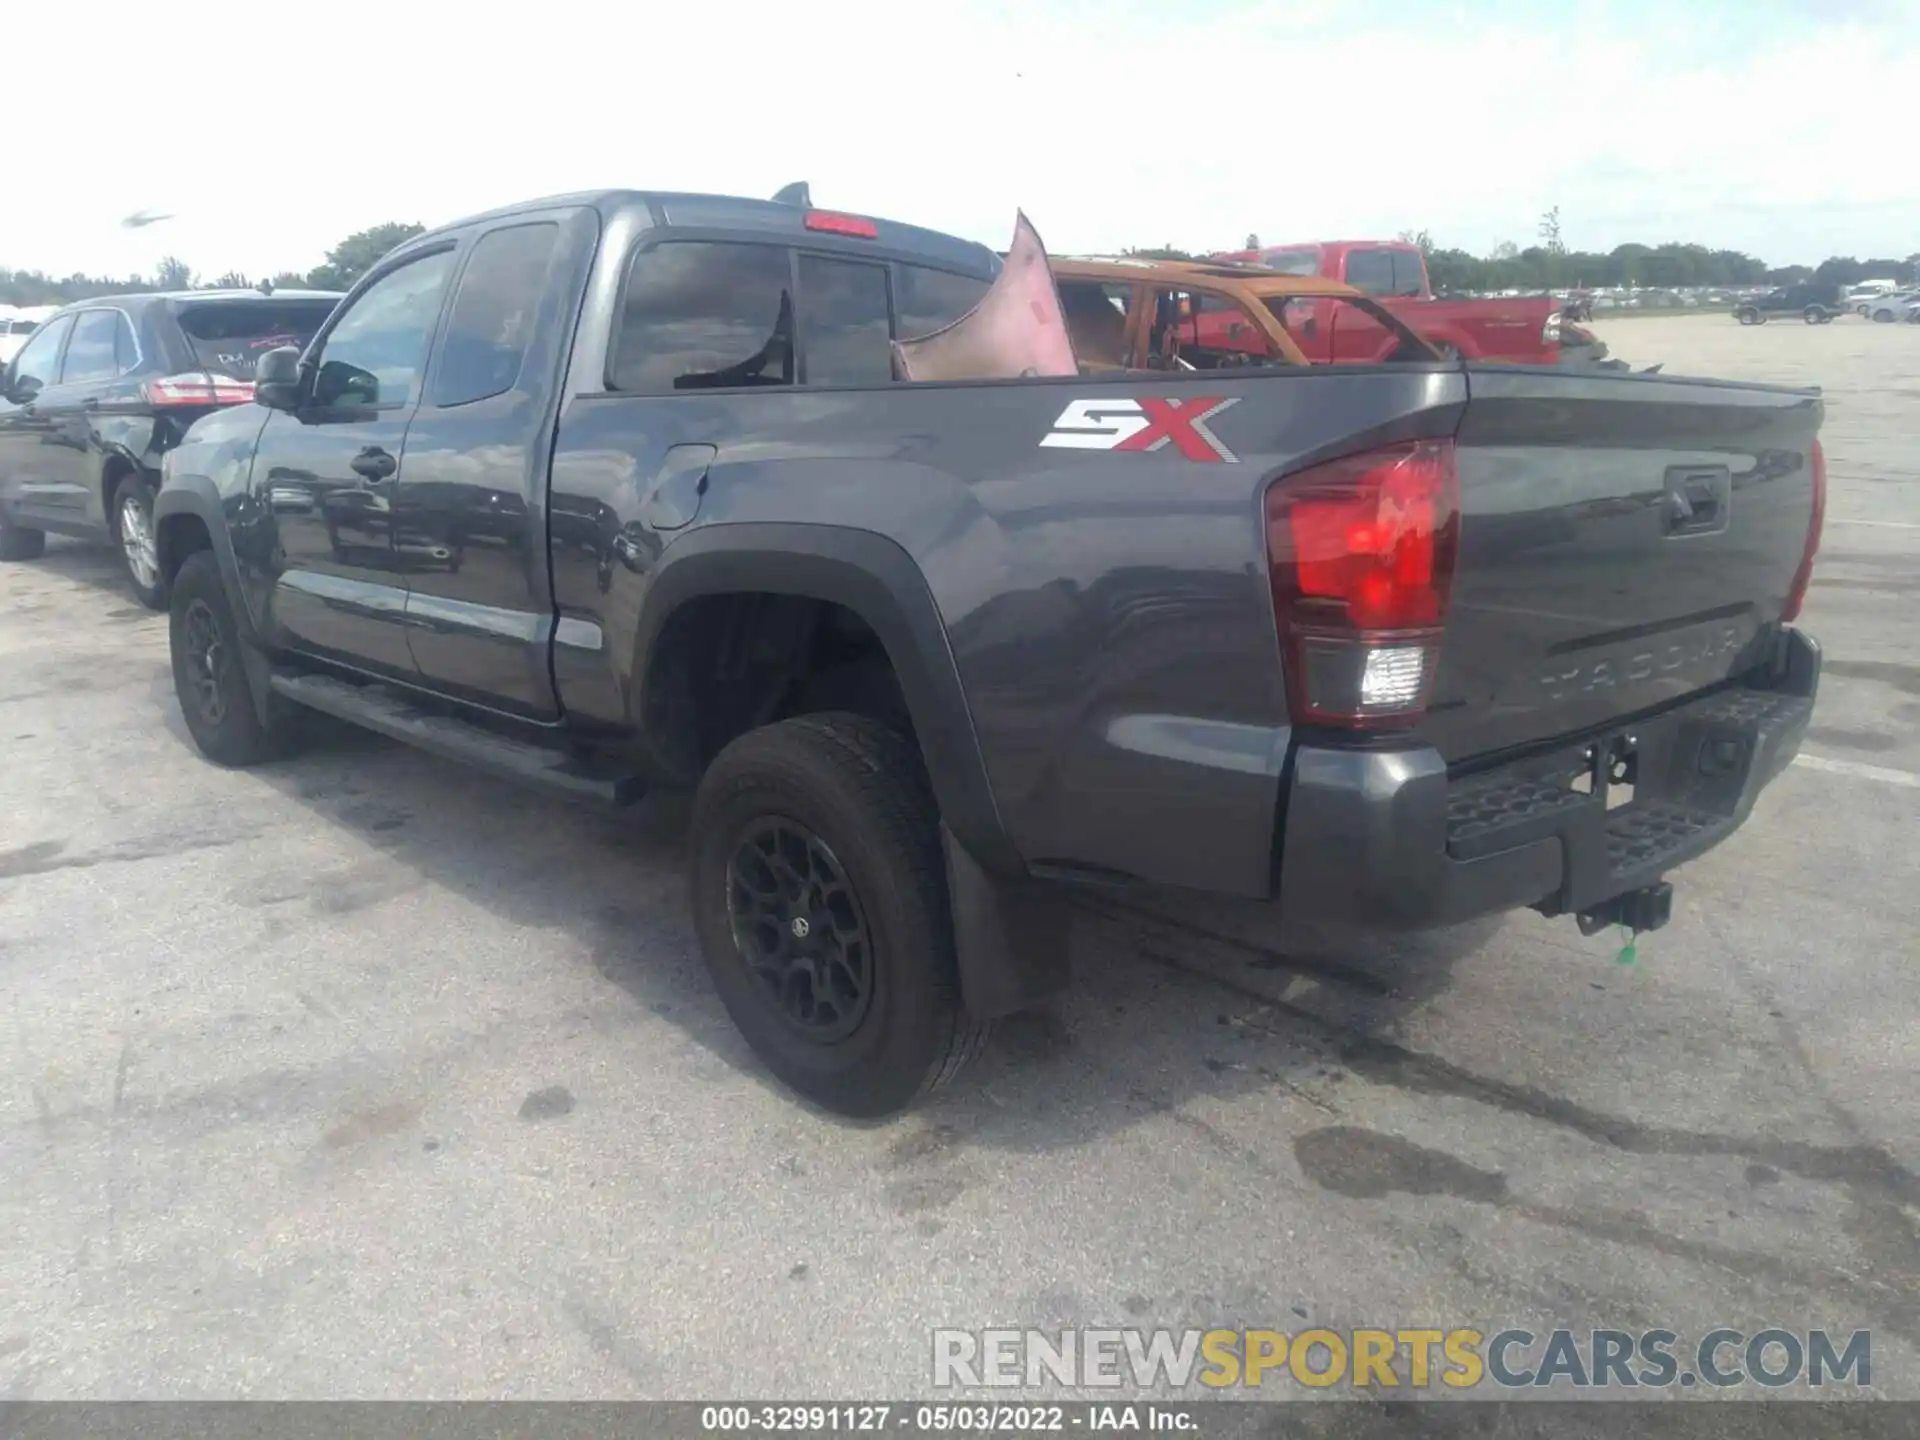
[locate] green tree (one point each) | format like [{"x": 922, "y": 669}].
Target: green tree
[
  {"x": 1451, "y": 271},
  {"x": 1839, "y": 270},
  {"x": 1163, "y": 252},
  {"x": 1550, "y": 232},
  {"x": 173, "y": 273},
  {"x": 233, "y": 280},
  {"x": 359, "y": 253}
]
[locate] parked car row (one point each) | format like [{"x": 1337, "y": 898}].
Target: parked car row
[
  {"x": 1821, "y": 304},
  {"x": 830, "y": 520}
]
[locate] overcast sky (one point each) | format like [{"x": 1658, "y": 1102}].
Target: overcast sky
[{"x": 1782, "y": 127}]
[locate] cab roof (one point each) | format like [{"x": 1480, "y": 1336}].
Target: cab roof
[{"x": 692, "y": 210}]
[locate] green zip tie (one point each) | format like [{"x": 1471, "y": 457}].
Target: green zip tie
[{"x": 1628, "y": 953}]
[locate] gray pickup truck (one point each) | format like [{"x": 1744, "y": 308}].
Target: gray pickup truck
[{"x": 621, "y": 490}]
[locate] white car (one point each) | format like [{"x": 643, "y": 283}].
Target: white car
[
  {"x": 1894, "y": 305},
  {"x": 1860, "y": 299}
]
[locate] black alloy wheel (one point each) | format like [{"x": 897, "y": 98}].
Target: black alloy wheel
[{"x": 801, "y": 929}]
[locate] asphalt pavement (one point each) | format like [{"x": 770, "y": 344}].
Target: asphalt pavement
[{"x": 359, "y": 1075}]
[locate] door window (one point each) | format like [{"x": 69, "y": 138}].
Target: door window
[
  {"x": 34, "y": 366},
  {"x": 843, "y": 322},
  {"x": 494, "y": 308},
  {"x": 704, "y": 314},
  {"x": 1216, "y": 332},
  {"x": 94, "y": 352},
  {"x": 372, "y": 359},
  {"x": 1097, "y": 321}
]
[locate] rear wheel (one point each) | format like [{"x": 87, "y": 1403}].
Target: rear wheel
[
  {"x": 1883, "y": 317},
  {"x": 17, "y": 542},
  {"x": 819, "y": 893},
  {"x": 133, "y": 523},
  {"x": 209, "y": 673},
  {"x": 1814, "y": 315},
  {"x": 1747, "y": 316}
]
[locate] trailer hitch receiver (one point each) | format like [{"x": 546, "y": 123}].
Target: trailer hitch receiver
[{"x": 1642, "y": 910}]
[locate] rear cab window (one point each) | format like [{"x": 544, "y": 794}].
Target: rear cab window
[
  {"x": 845, "y": 325},
  {"x": 229, "y": 336},
  {"x": 1301, "y": 262},
  {"x": 703, "y": 315},
  {"x": 707, "y": 314},
  {"x": 926, "y": 300}
]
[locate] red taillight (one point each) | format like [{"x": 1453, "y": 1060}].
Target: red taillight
[
  {"x": 198, "y": 388},
  {"x": 1360, "y": 553},
  {"x": 834, "y": 224},
  {"x": 1803, "y": 577}
]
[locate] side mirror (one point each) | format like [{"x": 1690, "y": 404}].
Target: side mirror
[
  {"x": 20, "y": 389},
  {"x": 276, "y": 379}
]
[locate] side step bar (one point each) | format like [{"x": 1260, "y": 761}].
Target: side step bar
[{"x": 380, "y": 708}]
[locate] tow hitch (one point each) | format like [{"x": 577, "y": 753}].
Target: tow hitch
[{"x": 1640, "y": 911}]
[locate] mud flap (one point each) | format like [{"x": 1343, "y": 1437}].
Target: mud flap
[{"x": 1010, "y": 936}]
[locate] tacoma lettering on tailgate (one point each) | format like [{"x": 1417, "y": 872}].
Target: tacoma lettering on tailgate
[{"x": 1624, "y": 666}]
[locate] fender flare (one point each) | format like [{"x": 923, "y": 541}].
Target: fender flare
[
  {"x": 196, "y": 496},
  {"x": 877, "y": 580},
  {"x": 1010, "y": 931}
]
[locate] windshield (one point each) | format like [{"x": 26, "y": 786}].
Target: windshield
[{"x": 230, "y": 336}]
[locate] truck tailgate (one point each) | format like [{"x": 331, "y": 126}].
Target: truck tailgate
[{"x": 1625, "y": 542}]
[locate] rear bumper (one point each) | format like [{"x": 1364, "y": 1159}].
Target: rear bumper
[{"x": 1390, "y": 839}]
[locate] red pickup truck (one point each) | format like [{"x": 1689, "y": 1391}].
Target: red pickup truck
[{"x": 1526, "y": 330}]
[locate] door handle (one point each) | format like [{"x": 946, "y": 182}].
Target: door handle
[{"x": 374, "y": 465}]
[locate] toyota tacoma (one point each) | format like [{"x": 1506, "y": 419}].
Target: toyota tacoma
[{"x": 624, "y": 491}]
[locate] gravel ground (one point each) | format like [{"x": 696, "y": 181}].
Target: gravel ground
[{"x": 360, "y": 1076}]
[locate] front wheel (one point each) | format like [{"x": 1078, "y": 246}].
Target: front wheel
[
  {"x": 209, "y": 673},
  {"x": 1748, "y": 316},
  {"x": 1814, "y": 315},
  {"x": 133, "y": 521},
  {"x": 820, "y": 897}
]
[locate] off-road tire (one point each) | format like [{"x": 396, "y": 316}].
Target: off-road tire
[
  {"x": 862, "y": 789},
  {"x": 135, "y": 490},
  {"x": 19, "y": 543},
  {"x": 237, "y": 735}
]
